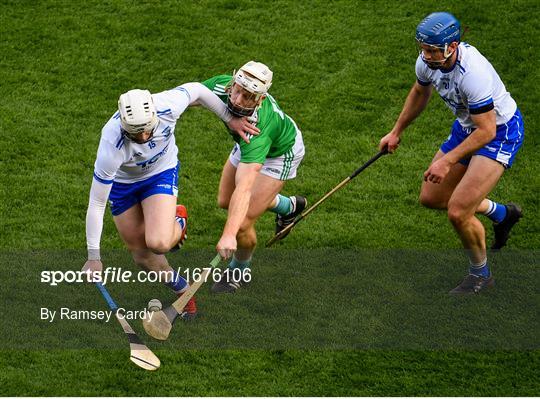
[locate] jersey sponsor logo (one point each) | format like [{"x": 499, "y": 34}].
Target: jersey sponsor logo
[{"x": 147, "y": 163}]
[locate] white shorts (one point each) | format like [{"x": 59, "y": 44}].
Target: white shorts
[{"x": 281, "y": 168}]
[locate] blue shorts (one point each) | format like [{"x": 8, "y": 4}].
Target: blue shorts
[
  {"x": 124, "y": 195},
  {"x": 503, "y": 148}
]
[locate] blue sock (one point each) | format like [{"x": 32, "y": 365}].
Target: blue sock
[
  {"x": 178, "y": 283},
  {"x": 481, "y": 270},
  {"x": 496, "y": 212},
  {"x": 284, "y": 205},
  {"x": 239, "y": 264}
]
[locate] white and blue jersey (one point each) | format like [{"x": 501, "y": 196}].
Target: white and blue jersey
[
  {"x": 121, "y": 160},
  {"x": 126, "y": 173},
  {"x": 471, "y": 86}
]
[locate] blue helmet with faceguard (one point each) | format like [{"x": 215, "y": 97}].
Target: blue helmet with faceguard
[{"x": 438, "y": 29}]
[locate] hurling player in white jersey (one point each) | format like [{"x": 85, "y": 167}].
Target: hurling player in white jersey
[
  {"x": 136, "y": 169},
  {"x": 483, "y": 142}
]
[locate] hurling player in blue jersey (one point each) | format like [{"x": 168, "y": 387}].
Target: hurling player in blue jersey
[
  {"x": 136, "y": 170},
  {"x": 484, "y": 139}
]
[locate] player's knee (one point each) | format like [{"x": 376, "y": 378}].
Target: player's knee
[
  {"x": 157, "y": 245},
  {"x": 248, "y": 240},
  {"x": 247, "y": 234},
  {"x": 429, "y": 201},
  {"x": 457, "y": 214},
  {"x": 425, "y": 200},
  {"x": 247, "y": 225}
]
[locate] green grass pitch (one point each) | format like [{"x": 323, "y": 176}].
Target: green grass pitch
[{"x": 342, "y": 70}]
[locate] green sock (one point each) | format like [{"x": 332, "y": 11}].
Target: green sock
[
  {"x": 284, "y": 205},
  {"x": 239, "y": 264}
]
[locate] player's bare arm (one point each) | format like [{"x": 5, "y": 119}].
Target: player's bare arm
[
  {"x": 201, "y": 95},
  {"x": 483, "y": 134},
  {"x": 238, "y": 207},
  {"x": 239, "y": 125},
  {"x": 415, "y": 103}
]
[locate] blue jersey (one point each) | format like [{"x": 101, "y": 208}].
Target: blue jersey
[{"x": 471, "y": 86}]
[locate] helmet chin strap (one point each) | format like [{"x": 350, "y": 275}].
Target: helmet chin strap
[
  {"x": 446, "y": 53},
  {"x": 135, "y": 136}
]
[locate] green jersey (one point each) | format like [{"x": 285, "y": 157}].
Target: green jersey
[{"x": 277, "y": 129}]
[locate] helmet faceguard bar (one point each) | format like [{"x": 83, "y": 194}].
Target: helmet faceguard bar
[
  {"x": 444, "y": 48},
  {"x": 240, "y": 111},
  {"x": 256, "y": 79},
  {"x": 447, "y": 53},
  {"x": 250, "y": 83}
]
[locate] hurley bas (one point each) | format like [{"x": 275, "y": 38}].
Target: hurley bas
[{"x": 71, "y": 314}]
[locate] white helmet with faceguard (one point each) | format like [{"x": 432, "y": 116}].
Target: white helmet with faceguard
[
  {"x": 254, "y": 77},
  {"x": 137, "y": 113}
]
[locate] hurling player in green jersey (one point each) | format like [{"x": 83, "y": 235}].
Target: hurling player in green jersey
[{"x": 257, "y": 170}]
